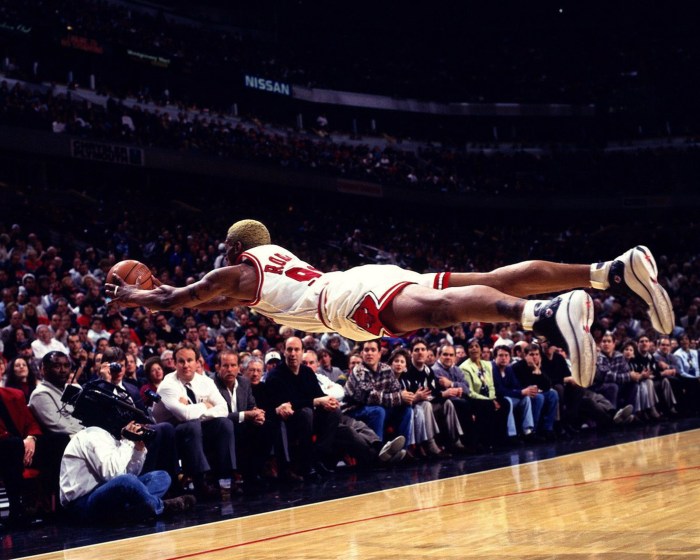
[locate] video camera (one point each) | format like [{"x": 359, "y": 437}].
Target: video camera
[{"x": 100, "y": 403}]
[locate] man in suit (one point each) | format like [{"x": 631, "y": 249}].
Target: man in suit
[
  {"x": 247, "y": 418},
  {"x": 19, "y": 433},
  {"x": 204, "y": 434},
  {"x": 162, "y": 449}
]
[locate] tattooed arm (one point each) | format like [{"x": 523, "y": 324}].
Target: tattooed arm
[{"x": 219, "y": 289}]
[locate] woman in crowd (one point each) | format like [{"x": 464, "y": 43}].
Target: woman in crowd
[
  {"x": 154, "y": 373},
  {"x": 425, "y": 427},
  {"x": 491, "y": 412},
  {"x": 21, "y": 375}
]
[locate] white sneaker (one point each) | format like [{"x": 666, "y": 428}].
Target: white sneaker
[
  {"x": 635, "y": 272},
  {"x": 565, "y": 321},
  {"x": 623, "y": 414},
  {"x": 391, "y": 448}
]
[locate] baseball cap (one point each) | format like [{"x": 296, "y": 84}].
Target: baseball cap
[{"x": 272, "y": 355}]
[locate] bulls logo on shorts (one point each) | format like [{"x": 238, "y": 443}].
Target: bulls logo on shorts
[{"x": 366, "y": 315}]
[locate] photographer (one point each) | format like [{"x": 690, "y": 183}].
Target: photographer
[
  {"x": 162, "y": 449},
  {"x": 101, "y": 478}
]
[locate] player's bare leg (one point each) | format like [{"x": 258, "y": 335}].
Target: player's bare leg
[
  {"x": 564, "y": 320},
  {"x": 528, "y": 278},
  {"x": 633, "y": 273}
]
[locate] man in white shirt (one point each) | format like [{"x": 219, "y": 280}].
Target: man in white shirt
[
  {"x": 101, "y": 478},
  {"x": 194, "y": 405},
  {"x": 45, "y": 343}
]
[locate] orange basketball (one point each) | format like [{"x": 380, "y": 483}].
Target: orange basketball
[{"x": 130, "y": 271}]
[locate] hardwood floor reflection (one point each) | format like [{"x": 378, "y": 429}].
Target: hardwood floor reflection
[{"x": 633, "y": 500}]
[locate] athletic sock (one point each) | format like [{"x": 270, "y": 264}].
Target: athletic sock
[
  {"x": 528, "y": 319},
  {"x": 599, "y": 275}
]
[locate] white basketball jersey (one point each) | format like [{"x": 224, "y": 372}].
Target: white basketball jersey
[{"x": 288, "y": 288}]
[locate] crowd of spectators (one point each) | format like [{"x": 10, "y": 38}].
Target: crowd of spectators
[
  {"x": 429, "y": 168},
  {"x": 52, "y": 300}
]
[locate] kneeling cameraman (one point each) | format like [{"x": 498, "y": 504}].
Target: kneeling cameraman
[
  {"x": 101, "y": 477},
  {"x": 162, "y": 450}
]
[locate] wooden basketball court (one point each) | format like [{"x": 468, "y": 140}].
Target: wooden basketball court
[{"x": 631, "y": 501}]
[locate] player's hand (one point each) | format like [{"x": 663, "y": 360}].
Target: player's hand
[{"x": 116, "y": 290}]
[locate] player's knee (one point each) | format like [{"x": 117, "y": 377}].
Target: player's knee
[{"x": 441, "y": 313}]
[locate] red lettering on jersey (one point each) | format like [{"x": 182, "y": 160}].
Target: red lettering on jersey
[
  {"x": 273, "y": 269},
  {"x": 367, "y": 316},
  {"x": 279, "y": 259}
]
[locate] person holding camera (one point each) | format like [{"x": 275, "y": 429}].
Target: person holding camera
[
  {"x": 162, "y": 449},
  {"x": 101, "y": 478}
]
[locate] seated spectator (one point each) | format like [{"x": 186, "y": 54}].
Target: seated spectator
[
  {"x": 417, "y": 379},
  {"x": 97, "y": 331},
  {"x": 21, "y": 375},
  {"x": 168, "y": 361},
  {"x": 165, "y": 331},
  {"x": 520, "y": 398},
  {"x": 355, "y": 440},
  {"x": 247, "y": 418},
  {"x": 79, "y": 359},
  {"x": 689, "y": 374},
  {"x": 491, "y": 412},
  {"x": 54, "y": 416},
  {"x": 306, "y": 411},
  {"x": 645, "y": 404},
  {"x": 339, "y": 358},
  {"x": 45, "y": 402},
  {"x": 453, "y": 387},
  {"x": 545, "y": 400},
  {"x": 205, "y": 438},
  {"x": 374, "y": 395},
  {"x": 272, "y": 440},
  {"x": 44, "y": 342},
  {"x": 154, "y": 373},
  {"x": 612, "y": 376},
  {"x": 272, "y": 360},
  {"x": 19, "y": 448},
  {"x": 425, "y": 427},
  {"x": 668, "y": 375},
  {"x": 326, "y": 367},
  {"x": 131, "y": 371}
]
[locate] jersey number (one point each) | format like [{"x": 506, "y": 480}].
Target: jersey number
[{"x": 302, "y": 274}]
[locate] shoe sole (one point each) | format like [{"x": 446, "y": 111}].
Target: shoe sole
[
  {"x": 399, "y": 456},
  {"x": 575, "y": 326},
  {"x": 392, "y": 448},
  {"x": 641, "y": 277}
]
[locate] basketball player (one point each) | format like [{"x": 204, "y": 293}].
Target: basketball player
[{"x": 371, "y": 301}]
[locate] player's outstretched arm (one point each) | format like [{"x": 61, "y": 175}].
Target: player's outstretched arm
[{"x": 214, "y": 291}]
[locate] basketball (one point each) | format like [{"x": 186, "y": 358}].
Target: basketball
[{"x": 130, "y": 271}]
